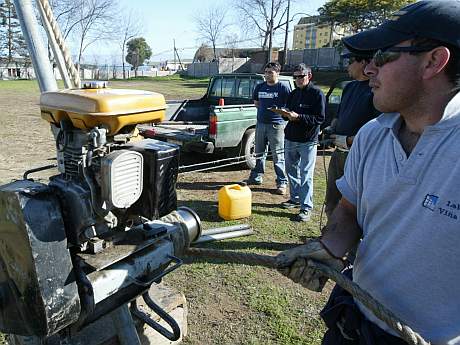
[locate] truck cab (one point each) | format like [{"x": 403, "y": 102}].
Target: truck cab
[{"x": 223, "y": 120}]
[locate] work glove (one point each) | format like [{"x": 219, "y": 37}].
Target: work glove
[
  {"x": 340, "y": 141},
  {"x": 296, "y": 265}
]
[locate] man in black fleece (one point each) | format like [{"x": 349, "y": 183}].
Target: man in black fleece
[{"x": 307, "y": 106}]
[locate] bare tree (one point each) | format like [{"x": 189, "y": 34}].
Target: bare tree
[
  {"x": 258, "y": 17},
  {"x": 129, "y": 27},
  {"x": 211, "y": 26},
  {"x": 87, "y": 21},
  {"x": 97, "y": 23},
  {"x": 231, "y": 43},
  {"x": 65, "y": 12}
]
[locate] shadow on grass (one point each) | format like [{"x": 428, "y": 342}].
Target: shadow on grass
[
  {"x": 201, "y": 185},
  {"x": 206, "y": 210},
  {"x": 236, "y": 246},
  {"x": 239, "y": 245},
  {"x": 216, "y": 185},
  {"x": 195, "y": 85}
]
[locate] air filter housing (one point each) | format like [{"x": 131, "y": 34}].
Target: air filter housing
[{"x": 121, "y": 178}]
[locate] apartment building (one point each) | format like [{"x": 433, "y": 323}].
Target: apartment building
[{"x": 315, "y": 32}]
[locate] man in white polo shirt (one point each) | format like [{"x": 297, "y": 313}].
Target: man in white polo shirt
[{"x": 401, "y": 187}]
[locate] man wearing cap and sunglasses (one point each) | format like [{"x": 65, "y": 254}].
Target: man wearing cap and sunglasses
[
  {"x": 401, "y": 190},
  {"x": 355, "y": 110}
]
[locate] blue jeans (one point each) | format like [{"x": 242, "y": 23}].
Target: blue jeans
[
  {"x": 272, "y": 134},
  {"x": 300, "y": 166}
]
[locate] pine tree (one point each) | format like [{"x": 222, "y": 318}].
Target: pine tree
[{"x": 12, "y": 43}]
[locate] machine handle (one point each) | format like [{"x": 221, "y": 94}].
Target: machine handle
[{"x": 172, "y": 336}]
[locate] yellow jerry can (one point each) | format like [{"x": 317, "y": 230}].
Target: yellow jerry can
[{"x": 234, "y": 202}]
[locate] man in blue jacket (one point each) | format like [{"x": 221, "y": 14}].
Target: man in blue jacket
[
  {"x": 307, "y": 105},
  {"x": 270, "y": 126}
]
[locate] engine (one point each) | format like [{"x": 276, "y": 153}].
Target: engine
[{"x": 102, "y": 230}]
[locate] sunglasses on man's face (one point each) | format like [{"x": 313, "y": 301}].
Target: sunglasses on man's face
[
  {"x": 382, "y": 57},
  {"x": 299, "y": 76},
  {"x": 352, "y": 59}
]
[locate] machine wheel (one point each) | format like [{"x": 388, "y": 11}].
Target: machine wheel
[{"x": 248, "y": 145}]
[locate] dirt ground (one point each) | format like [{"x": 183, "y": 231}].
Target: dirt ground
[{"x": 228, "y": 304}]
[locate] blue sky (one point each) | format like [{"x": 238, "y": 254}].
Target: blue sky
[{"x": 167, "y": 20}]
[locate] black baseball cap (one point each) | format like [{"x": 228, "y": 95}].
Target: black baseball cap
[
  {"x": 438, "y": 20},
  {"x": 356, "y": 54}
]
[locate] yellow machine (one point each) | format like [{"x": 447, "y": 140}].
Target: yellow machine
[{"x": 112, "y": 109}]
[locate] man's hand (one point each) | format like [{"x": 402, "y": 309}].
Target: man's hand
[
  {"x": 340, "y": 141},
  {"x": 294, "y": 264},
  {"x": 292, "y": 116}
]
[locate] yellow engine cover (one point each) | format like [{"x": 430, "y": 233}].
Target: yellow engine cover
[{"x": 111, "y": 108}]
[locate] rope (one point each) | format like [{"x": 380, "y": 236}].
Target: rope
[
  {"x": 238, "y": 159},
  {"x": 406, "y": 333},
  {"x": 61, "y": 43}
]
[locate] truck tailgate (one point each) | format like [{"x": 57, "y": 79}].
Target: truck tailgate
[{"x": 176, "y": 133}]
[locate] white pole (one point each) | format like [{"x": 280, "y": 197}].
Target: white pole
[{"x": 37, "y": 50}]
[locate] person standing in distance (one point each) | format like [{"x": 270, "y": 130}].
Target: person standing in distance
[
  {"x": 355, "y": 109},
  {"x": 270, "y": 127},
  {"x": 307, "y": 105}
]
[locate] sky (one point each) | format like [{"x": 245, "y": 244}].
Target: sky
[{"x": 165, "y": 21}]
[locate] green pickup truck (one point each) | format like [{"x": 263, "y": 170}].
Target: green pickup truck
[{"x": 222, "y": 121}]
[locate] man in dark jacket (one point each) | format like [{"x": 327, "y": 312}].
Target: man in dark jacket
[
  {"x": 307, "y": 111},
  {"x": 355, "y": 110}
]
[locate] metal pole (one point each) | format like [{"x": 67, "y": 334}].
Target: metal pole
[
  {"x": 270, "y": 37},
  {"x": 286, "y": 35},
  {"x": 231, "y": 228},
  {"x": 224, "y": 236},
  {"x": 37, "y": 50}
]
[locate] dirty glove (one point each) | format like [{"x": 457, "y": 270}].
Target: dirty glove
[
  {"x": 340, "y": 141},
  {"x": 294, "y": 264}
]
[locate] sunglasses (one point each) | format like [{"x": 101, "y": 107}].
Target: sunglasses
[
  {"x": 382, "y": 57},
  {"x": 299, "y": 76}
]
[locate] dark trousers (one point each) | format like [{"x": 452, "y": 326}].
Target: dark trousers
[{"x": 348, "y": 326}]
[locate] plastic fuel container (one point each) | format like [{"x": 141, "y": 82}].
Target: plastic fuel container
[{"x": 234, "y": 202}]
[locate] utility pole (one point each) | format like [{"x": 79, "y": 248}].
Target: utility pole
[
  {"x": 270, "y": 37},
  {"x": 285, "y": 62},
  {"x": 178, "y": 58},
  {"x": 331, "y": 36},
  {"x": 174, "y": 43}
]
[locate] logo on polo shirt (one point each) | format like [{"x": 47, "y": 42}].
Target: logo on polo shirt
[
  {"x": 272, "y": 95},
  {"x": 430, "y": 201},
  {"x": 449, "y": 209}
]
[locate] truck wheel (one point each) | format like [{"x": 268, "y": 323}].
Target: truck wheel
[{"x": 248, "y": 148}]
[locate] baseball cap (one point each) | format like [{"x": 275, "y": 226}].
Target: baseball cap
[
  {"x": 439, "y": 20},
  {"x": 356, "y": 54}
]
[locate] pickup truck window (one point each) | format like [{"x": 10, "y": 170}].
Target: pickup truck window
[
  {"x": 234, "y": 87},
  {"x": 244, "y": 88},
  {"x": 223, "y": 87}
]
